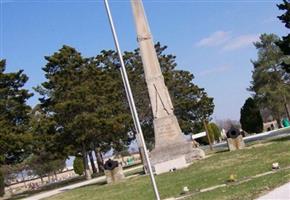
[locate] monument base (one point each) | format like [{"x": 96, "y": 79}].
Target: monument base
[
  {"x": 171, "y": 150},
  {"x": 115, "y": 175},
  {"x": 170, "y": 165},
  {"x": 236, "y": 143}
]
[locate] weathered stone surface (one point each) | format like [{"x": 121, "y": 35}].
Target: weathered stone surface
[
  {"x": 115, "y": 175},
  {"x": 170, "y": 144},
  {"x": 170, "y": 165},
  {"x": 169, "y": 141},
  {"x": 236, "y": 143}
]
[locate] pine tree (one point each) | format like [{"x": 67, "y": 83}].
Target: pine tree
[
  {"x": 47, "y": 156},
  {"x": 85, "y": 100},
  {"x": 15, "y": 140},
  {"x": 191, "y": 103},
  {"x": 270, "y": 82},
  {"x": 284, "y": 44},
  {"x": 43, "y": 127},
  {"x": 43, "y": 164}
]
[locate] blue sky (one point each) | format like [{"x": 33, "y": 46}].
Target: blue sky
[{"x": 211, "y": 39}]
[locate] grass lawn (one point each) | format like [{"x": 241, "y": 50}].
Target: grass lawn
[
  {"x": 67, "y": 182},
  {"x": 214, "y": 170}
]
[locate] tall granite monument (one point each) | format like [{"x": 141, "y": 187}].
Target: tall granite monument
[{"x": 171, "y": 150}]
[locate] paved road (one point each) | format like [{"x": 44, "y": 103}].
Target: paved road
[
  {"x": 280, "y": 193},
  {"x": 73, "y": 186},
  {"x": 261, "y": 136}
]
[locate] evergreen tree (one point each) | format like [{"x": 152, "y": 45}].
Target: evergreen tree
[
  {"x": 85, "y": 101},
  {"x": 191, "y": 103},
  {"x": 251, "y": 119},
  {"x": 270, "y": 82},
  {"x": 15, "y": 140},
  {"x": 64, "y": 97},
  {"x": 14, "y": 137},
  {"x": 44, "y": 164},
  {"x": 284, "y": 44},
  {"x": 47, "y": 155},
  {"x": 43, "y": 127}
]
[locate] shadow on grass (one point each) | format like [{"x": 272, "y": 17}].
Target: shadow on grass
[
  {"x": 221, "y": 151},
  {"x": 135, "y": 172},
  {"x": 93, "y": 184}
]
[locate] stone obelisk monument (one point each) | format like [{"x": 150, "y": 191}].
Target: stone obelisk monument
[{"x": 171, "y": 150}]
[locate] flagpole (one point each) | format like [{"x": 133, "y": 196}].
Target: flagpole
[{"x": 131, "y": 100}]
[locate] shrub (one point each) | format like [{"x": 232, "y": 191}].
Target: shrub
[
  {"x": 214, "y": 131},
  {"x": 214, "y": 134},
  {"x": 78, "y": 165}
]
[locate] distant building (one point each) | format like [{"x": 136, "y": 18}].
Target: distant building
[{"x": 270, "y": 123}]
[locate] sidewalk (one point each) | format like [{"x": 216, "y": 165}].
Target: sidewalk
[
  {"x": 73, "y": 186},
  {"x": 280, "y": 193}
]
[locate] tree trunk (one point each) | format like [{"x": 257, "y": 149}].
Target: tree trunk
[
  {"x": 85, "y": 161},
  {"x": 100, "y": 160},
  {"x": 41, "y": 178},
  {"x": 2, "y": 184},
  {"x": 92, "y": 162},
  {"x": 48, "y": 177},
  {"x": 205, "y": 124},
  {"x": 143, "y": 160},
  {"x": 287, "y": 111},
  {"x": 279, "y": 122},
  {"x": 286, "y": 107},
  {"x": 23, "y": 179},
  {"x": 142, "y": 154},
  {"x": 55, "y": 175}
]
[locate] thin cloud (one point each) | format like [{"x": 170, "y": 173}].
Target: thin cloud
[
  {"x": 227, "y": 42},
  {"x": 215, "y": 70},
  {"x": 240, "y": 42},
  {"x": 215, "y": 39}
]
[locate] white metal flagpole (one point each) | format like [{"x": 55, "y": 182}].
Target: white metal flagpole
[{"x": 131, "y": 99}]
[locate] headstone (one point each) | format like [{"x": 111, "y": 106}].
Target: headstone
[
  {"x": 113, "y": 171},
  {"x": 170, "y": 144},
  {"x": 235, "y": 139}
]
